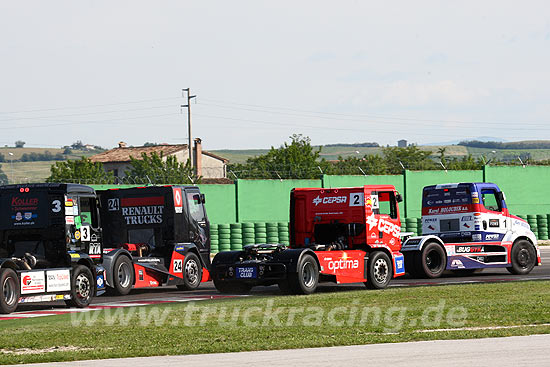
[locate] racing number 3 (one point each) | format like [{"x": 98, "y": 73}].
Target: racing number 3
[{"x": 56, "y": 206}]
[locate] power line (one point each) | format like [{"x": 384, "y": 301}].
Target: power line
[
  {"x": 374, "y": 115},
  {"x": 90, "y": 106}
]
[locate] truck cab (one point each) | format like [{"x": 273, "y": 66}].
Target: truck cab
[
  {"x": 50, "y": 245},
  {"x": 467, "y": 226},
  {"x": 340, "y": 235},
  {"x": 155, "y": 235}
]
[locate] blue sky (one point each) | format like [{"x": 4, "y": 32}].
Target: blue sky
[{"x": 347, "y": 71}]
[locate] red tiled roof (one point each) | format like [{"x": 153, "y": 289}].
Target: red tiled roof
[{"x": 124, "y": 154}]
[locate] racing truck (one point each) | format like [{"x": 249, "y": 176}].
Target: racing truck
[
  {"x": 466, "y": 227},
  {"x": 154, "y": 236},
  {"x": 340, "y": 235},
  {"x": 50, "y": 245}
]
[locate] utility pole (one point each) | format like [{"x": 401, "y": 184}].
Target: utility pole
[{"x": 188, "y": 105}]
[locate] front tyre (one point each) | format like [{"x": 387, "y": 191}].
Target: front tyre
[
  {"x": 9, "y": 292},
  {"x": 523, "y": 258},
  {"x": 192, "y": 273},
  {"x": 306, "y": 278},
  {"x": 380, "y": 270},
  {"x": 82, "y": 287}
]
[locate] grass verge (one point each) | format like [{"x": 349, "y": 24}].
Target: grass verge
[{"x": 263, "y": 323}]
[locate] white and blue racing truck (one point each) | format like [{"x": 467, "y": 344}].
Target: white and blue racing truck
[{"x": 466, "y": 227}]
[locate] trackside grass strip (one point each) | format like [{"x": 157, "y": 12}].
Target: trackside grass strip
[{"x": 262, "y": 323}]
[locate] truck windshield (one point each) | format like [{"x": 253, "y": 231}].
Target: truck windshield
[{"x": 446, "y": 196}]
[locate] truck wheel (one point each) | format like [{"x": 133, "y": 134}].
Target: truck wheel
[
  {"x": 9, "y": 297},
  {"x": 523, "y": 258},
  {"x": 123, "y": 276},
  {"x": 192, "y": 273},
  {"x": 306, "y": 278},
  {"x": 432, "y": 260},
  {"x": 380, "y": 271},
  {"x": 82, "y": 287},
  {"x": 223, "y": 286}
]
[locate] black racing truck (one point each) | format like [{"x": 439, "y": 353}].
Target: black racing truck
[
  {"x": 50, "y": 245},
  {"x": 154, "y": 236}
]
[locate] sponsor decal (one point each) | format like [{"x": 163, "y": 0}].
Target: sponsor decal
[
  {"x": 32, "y": 282},
  {"x": 151, "y": 260},
  {"x": 147, "y": 210},
  {"x": 466, "y": 225},
  {"x": 69, "y": 220},
  {"x": 477, "y": 227},
  {"x": 100, "y": 282},
  {"x": 85, "y": 233},
  {"x": 75, "y": 256},
  {"x": 399, "y": 264},
  {"x": 448, "y": 209},
  {"x": 330, "y": 200},
  {"x": 113, "y": 204},
  {"x": 343, "y": 264},
  {"x": 430, "y": 220},
  {"x": 383, "y": 226},
  {"x": 431, "y": 228},
  {"x": 466, "y": 218},
  {"x": 179, "y": 248},
  {"x": 476, "y": 237},
  {"x": 492, "y": 237},
  {"x": 457, "y": 264},
  {"x": 475, "y": 194},
  {"x": 469, "y": 249},
  {"x": 178, "y": 200},
  {"x": 18, "y": 216},
  {"x": 494, "y": 223},
  {"x": 58, "y": 280},
  {"x": 475, "y": 200},
  {"x": 69, "y": 203},
  {"x": 77, "y": 235},
  {"x": 94, "y": 248},
  {"x": 69, "y": 210}
]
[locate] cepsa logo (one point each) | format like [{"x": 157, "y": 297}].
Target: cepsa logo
[
  {"x": 384, "y": 225},
  {"x": 343, "y": 264},
  {"x": 27, "y": 280},
  {"x": 330, "y": 200}
]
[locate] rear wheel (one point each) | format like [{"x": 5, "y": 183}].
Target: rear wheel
[
  {"x": 10, "y": 292},
  {"x": 192, "y": 273},
  {"x": 523, "y": 258},
  {"x": 431, "y": 261},
  {"x": 123, "y": 276},
  {"x": 380, "y": 270},
  {"x": 306, "y": 278},
  {"x": 82, "y": 287}
]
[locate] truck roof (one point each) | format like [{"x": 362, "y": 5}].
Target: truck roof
[
  {"x": 478, "y": 185},
  {"x": 372, "y": 187},
  {"x": 67, "y": 187}
]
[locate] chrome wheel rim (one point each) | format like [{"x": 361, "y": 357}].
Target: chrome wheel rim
[
  {"x": 82, "y": 286},
  {"x": 124, "y": 275},
  {"x": 8, "y": 290},
  {"x": 308, "y": 274},
  {"x": 192, "y": 271},
  {"x": 380, "y": 271}
]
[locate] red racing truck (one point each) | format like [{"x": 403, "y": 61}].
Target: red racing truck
[
  {"x": 154, "y": 236},
  {"x": 343, "y": 235}
]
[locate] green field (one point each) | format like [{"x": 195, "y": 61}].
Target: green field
[{"x": 333, "y": 317}]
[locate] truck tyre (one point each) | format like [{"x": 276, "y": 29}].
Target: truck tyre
[
  {"x": 306, "y": 278},
  {"x": 82, "y": 287},
  {"x": 380, "y": 270},
  {"x": 523, "y": 258},
  {"x": 123, "y": 276},
  {"x": 227, "y": 287},
  {"x": 10, "y": 292},
  {"x": 192, "y": 273},
  {"x": 432, "y": 260}
]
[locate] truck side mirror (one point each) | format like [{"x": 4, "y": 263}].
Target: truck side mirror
[
  {"x": 399, "y": 198},
  {"x": 501, "y": 197},
  {"x": 203, "y": 199}
]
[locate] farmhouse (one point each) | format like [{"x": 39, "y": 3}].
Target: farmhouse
[{"x": 207, "y": 165}]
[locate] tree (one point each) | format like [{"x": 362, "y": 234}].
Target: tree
[
  {"x": 77, "y": 145},
  {"x": 67, "y": 150},
  {"x": 3, "y": 177},
  {"x": 154, "y": 169},
  {"x": 81, "y": 171},
  {"x": 19, "y": 144},
  {"x": 295, "y": 160},
  {"x": 411, "y": 157}
]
